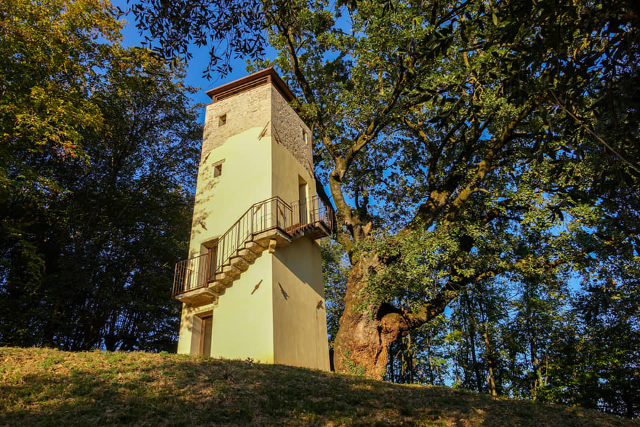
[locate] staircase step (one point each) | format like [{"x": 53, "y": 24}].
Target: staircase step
[
  {"x": 218, "y": 288},
  {"x": 254, "y": 247},
  {"x": 248, "y": 255},
  {"x": 263, "y": 240},
  {"x": 231, "y": 270},
  {"x": 239, "y": 263},
  {"x": 225, "y": 278}
]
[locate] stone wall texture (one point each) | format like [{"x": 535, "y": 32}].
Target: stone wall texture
[
  {"x": 288, "y": 130},
  {"x": 244, "y": 111},
  {"x": 264, "y": 107}
]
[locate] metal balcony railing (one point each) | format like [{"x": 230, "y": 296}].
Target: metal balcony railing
[
  {"x": 191, "y": 274},
  {"x": 311, "y": 212},
  {"x": 270, "y": 214}
]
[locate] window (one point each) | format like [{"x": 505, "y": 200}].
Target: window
[
  {"x": 217, "y": 168},
  {"x": 304, "y": 137},
  {"x": 222, "y": 120}
]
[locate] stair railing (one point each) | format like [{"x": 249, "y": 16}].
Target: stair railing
[
  {"x": 263, "y": 216},
  {"x": 196, "y": 272},
  {"x": 191, "y": 274},
  {"x": 260, "y": 217}
]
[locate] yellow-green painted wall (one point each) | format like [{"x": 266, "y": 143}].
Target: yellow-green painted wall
[
  {"x": 300, "y": 326},
  {"x": 242, "y": 321},
  {"x": 246, "y": 155},
  {"x": 299, "y": 322}
]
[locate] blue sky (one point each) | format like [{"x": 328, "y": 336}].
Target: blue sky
[{"x": 195, "y": 66}]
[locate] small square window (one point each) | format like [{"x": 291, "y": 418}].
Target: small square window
[
  {"x": 217, "y": 170},
  {"x": 222, "y": 120}
]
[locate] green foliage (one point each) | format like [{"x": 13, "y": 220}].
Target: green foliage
[
  {"x": 596, "y": 358},
  {"x": 335, "y": 271},
  {"x": 236, "y": 25},
  {"x": 99, "y": 148}
]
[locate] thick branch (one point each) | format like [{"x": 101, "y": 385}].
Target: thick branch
[
  {"x": 436, "y": 305},
  {"x": 486, "y": 164}
]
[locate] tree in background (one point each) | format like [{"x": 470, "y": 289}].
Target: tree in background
[
  {"x": 335, "y": 271},
  {"x": 98, "y": 156}
]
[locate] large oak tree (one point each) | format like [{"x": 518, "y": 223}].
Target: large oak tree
[{"x": 461, "y": 141}]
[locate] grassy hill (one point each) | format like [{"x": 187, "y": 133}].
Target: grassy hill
[{"x": 42, "y": 387}]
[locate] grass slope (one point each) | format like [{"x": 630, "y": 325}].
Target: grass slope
[{"x": 42, "y": 387}]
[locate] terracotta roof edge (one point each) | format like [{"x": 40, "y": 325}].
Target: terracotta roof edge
[{"x": 272, "y": 75}]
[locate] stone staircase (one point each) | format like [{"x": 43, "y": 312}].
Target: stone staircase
[{"x": 244, "y": 257}]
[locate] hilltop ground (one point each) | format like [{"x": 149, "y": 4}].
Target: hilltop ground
[{"x": 42, "y": 387}]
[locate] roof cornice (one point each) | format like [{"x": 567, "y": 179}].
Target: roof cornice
[{"x": 268, "y": 75}]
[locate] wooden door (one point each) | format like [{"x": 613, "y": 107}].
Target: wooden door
[{"x": 205, "y": 335}]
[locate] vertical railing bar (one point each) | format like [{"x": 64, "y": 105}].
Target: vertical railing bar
[
  {"x": 175, "y": 274},
  {"x": 206, "y": 264}
]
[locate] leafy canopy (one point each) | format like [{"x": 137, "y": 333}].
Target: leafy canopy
[{"x": 98, "y": 153}]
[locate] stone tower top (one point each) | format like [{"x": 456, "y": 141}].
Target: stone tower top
[
  {"x": 259, "y": 101},
  {"x": 268, "y": 75}
]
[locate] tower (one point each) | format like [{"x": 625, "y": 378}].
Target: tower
[{"x": 252, "y": 286}]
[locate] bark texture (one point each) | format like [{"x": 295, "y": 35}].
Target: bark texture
[{"x": 362, "y": 342}]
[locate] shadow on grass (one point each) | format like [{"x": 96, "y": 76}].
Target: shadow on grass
[{"x": 103, "y": 389}]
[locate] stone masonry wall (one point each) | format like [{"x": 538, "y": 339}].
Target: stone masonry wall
[
  {"x": 262, "y": 106},
  {"x": 244, "y": 111},
  {"x": 287, "y": 130}
]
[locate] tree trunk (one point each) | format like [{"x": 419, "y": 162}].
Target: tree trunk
[
  {"x": 491, "y": 355},
  {"x": 432, "y": 375},
  {"x": 363, "y": 340},
  {"x": 472, "y": 343},
  {"x": 490, "y": 363}
]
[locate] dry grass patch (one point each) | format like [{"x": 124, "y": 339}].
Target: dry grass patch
[{"x": 43, "y": 387}]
